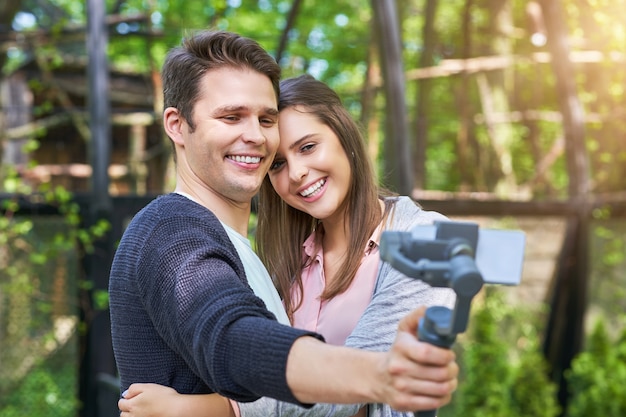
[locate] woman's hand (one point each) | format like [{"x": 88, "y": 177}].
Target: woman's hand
[{"x": 153, "y": 400}]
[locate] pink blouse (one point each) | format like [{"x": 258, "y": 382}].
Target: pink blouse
[{"x": 335, "y": 318}]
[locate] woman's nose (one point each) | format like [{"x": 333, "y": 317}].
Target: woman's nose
[{"x": 297, "y": 172}]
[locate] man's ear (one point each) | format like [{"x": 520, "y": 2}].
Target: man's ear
[{"x": 173, "y": 125}]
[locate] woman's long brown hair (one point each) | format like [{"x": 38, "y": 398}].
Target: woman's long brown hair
[{"x": 282, "y": 230}]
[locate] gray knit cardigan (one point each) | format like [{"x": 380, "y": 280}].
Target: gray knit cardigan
[{"x": 394, "y": 296}]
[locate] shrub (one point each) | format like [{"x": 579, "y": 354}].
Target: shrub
[
  {"x": 597, "y": 378},
  {"x": 503, "y": 372}
]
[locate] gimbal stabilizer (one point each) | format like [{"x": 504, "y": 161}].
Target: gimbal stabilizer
[{"x": 448, "y": 260}]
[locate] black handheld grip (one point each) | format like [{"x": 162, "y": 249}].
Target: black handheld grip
[{"x": 432, "y": 329}]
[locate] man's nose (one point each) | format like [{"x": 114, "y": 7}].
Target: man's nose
[{"x": 254, "y": 132}]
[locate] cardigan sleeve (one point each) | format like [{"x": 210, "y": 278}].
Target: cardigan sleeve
[
  {"x": 217, "y": 323},
  {"x": 192, "y": 286}
]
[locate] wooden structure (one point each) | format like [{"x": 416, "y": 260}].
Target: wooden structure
[{"x": 139, "y": 154}]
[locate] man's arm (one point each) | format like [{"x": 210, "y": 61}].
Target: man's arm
[
  {"x": 412, "y": 376},
  {"x": 222, "y": 330},
  {"x": 396, "y": 295},
  {"x": 193, "y": 288},
  {"x": 424, "y": 390}
]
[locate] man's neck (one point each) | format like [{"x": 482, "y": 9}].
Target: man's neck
[{"x": 235, "y": 215}]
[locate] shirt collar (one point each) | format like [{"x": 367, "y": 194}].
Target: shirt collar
[
  {"x": 374, "y": 240},
  {"x": 310, "y": 246}
]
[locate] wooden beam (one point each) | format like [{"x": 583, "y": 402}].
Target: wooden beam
[{"x": 33, "y": 128}]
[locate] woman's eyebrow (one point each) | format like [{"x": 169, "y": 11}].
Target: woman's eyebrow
[{"x": 299, "y": 141}]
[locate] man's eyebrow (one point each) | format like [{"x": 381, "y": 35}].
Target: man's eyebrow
[
  {"x": 229, "y": 109},
  {"x": 272, "y": 111},
  {"x": 299, "y": 141}
]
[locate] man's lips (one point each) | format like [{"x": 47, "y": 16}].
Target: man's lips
[{"x": 245, "y": 159}]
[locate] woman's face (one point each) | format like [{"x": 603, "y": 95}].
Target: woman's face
[{"x": 311, "y": 171}]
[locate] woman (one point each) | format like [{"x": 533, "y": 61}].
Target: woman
[{"x": 320, "y": 220}]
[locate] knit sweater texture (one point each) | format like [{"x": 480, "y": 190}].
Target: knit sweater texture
[
  {"x": 395, "y": 295},
  {"x": 183, "y": 314}
]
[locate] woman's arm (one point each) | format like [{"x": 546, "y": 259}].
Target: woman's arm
[{"x": 395, "y": 296}]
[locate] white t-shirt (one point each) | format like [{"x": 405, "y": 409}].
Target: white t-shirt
[{"x": 258, "y": 277}]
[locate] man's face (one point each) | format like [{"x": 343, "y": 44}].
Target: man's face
[{"x": 235, "y": 136}]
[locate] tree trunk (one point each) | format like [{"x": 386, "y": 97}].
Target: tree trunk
[
  {"x": 464, "y": 102},
  {"x": 397, "y": 149},
  {"x": 565, "y": 332},
  {"x": 16, "y": 102},
  {"x": 423, "y": 103},
  {"x": 494, "y": 97},
  {"x": 369, "y": 116},
  {"x": 284, "y": 37},
  {"x": 571, "y": 108}
]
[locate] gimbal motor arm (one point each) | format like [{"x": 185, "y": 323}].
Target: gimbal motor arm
[{"x": 446, "y": 261}]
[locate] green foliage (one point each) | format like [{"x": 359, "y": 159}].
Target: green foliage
[
  {"x": 333, "y": 40},
  {"x": 503, "y": 372},
  {"x": 485, "y": 389},
  {"x": 532, "y": 392},
  {"x": 44, "y": 390},
  {"x": 597, "y": 378},
  {"x": 608, "y": 272},
  {"x": 39, "y": 268}
]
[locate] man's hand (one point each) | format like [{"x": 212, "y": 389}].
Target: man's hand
[{"x": 411, "y": 376}]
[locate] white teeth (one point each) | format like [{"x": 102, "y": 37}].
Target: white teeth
[
  {"x": 246, "y": 159},
  {"x": 313, "y": 188}
]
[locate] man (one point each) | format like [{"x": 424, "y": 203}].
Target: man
[{"x": 183, "y": 313}]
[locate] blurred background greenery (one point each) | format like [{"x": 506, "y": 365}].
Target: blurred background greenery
[{"x": 504, "y": 101}]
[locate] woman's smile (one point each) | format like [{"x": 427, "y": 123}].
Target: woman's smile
[{"x": 314, "y": 189}]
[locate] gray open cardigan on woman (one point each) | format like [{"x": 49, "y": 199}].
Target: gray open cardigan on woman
[{"x": 394, "y": 296}]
